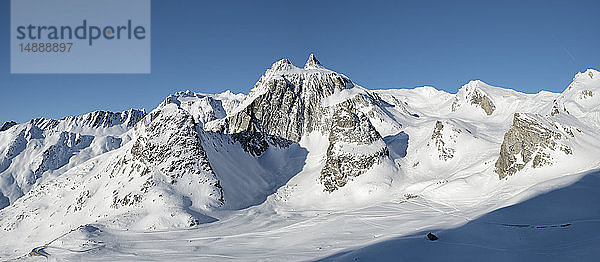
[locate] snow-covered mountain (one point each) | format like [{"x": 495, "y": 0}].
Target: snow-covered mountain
[
  {"x": 32, "y": 152},
  {"x": 304, "y": 144}
]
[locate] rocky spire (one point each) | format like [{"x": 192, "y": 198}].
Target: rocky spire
[
  {"x": 312, "y": 63},
  {"x": 282, "y": 65}
]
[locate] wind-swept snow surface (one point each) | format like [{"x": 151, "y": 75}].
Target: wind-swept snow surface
[
  {"x": 559, "y": 225},
  {"x": 308, "y": 166}
]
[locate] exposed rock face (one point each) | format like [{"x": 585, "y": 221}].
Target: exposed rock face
[
  {"x": 7, "y": 125},
  {"x": 529, "y": 139},
  {"x": 45, "y": 145},
  {"x": 161, "y": 179},
  {"x": 375, "y": 108},
  {"x": 170, "y": 143},
  {"x": 581, "y": 99},
  {"x": 586, "y": 93},
  {"x": 471, "y": 93},
  {"x": 437, "y": 138},
  {"x": 484, "y": 102},
  {"x": 205, "y": 107},
  {"x": 283, "y": 105},
  {"x": 431, "y": 236},
  {"x": 58, "y": 155},
  {"x": 354, "y": 147},
  {"x": 312, "y": 62},
  {"x": 556, "y": 109},
  {"x": 44, "y": 123},
  {"x": 99, "y": 119},
  {"x": 257, "y": 143},
  {"x": 20, "y": 181},
  {"x": 286, "y": 101},
  {"x": 92, "y": 120}
]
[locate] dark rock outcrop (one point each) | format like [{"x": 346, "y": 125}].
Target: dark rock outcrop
[
  {"x": 445, "y": 152},
  {"x": 432, "y": 237},
  {"x": 58, "y": 154},
  {"x": 104, "y": 119},
  {"x": 169, "y": 143},
  {"x": 7, "y": 125}
]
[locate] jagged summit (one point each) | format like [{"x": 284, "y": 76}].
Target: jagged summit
[
  {"x": 286, "y": 65},
  {"x": 283, "y": 65},
  {"x": 313, "y": 63},
  {"x": 286, "y": 100},
  {"x": 106, "y": 119},
  {"x": 304, "y": 140},
  {"x": 580, "y": 98},
  {"x": 7, "y": 125},
  {"x": 474, "y": 93},
  {"x": 583, "y": 81},
  {"x": 588, "y": 74}
]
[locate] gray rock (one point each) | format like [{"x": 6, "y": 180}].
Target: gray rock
[
  {"x": 312, "y": 62},
  {"x": 290, "y": 106},
  {"x": 528, "y": 140},
  {"x": 257, "y": 143},
  {"x": 96, "y": 119},
  {"x": 58, "y": 154},
  {"x": 445, "y": 153},
  {"x": 283, "y": 105},
  {"x": 349, "y": 127},
  {"x": 104, "y": 119},
  {"x": 170, "y": 143},
  {"x": 482, "y": 100},
  {"x": 286, "y": 103},
  {"x": 7, "y": 125},
  {"x": 476, "y": 97},
  {"x": 586, "y": 93}
]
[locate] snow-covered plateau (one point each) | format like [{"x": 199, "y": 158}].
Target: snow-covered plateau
[{"x": 311, "y": 166}]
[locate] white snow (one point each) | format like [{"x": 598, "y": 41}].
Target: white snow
[{"x": 274, "y": 205}]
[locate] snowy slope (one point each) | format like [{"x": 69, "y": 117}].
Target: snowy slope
[
  {"x": 308, "y": 161},
  {"x": 31, "y": 152},
  {"x": 532, "y": 230}
]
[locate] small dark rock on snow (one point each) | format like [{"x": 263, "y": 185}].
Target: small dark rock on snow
[{"x": 432, "y": 237}]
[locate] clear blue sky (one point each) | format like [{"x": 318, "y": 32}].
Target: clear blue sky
[{"x": 212, "y": 46}]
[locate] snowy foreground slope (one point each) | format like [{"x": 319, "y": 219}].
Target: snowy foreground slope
[{"x": 309, "y": 166}]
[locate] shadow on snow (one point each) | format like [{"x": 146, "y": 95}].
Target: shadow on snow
[{"x": 560, "y": 225}]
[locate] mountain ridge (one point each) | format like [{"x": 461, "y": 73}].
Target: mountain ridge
[{"x": 301, "y": 139}]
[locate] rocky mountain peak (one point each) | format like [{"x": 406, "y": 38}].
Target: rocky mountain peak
[
  {"x": 530, "y": 139},
  {"x": 106, "y": 119},
  {"x": 312, "y": 63},
  {"x": 282, "y": 65},
  {"x": 588, "y": 74},
  {"x": 582, "y": 80},
  {"x": 581, "y": 98},
  {"x": 286, "y": 101},
  {"x": 354, "y": 147},
  {"x": 473, "y": 93}
]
